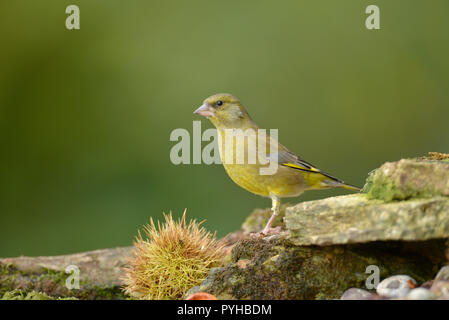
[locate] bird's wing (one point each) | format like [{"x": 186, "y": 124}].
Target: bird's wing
[
  {"x": 314, "y": 176},
  {"x": 286, "y": 158},
  {"x": 291, "y": 160}
]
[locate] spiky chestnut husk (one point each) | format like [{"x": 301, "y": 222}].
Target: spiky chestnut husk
[{"x": 171, "y": 259}]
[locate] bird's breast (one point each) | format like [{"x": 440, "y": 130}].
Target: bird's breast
[{"x": 285, "y": 182}]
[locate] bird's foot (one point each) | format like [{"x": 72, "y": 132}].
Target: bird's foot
[{"x": 266, "y": 232}]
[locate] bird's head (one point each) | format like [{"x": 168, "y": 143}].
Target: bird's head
[{"x": 224, "y": 110}]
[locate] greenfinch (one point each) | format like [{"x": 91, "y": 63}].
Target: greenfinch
[{"x": 292, "y": 175}]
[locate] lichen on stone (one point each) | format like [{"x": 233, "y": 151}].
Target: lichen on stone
[
  {"x": 51, "y": 283},
  {"x": 356, "y": 219},
  {"x": 436, "y": 156},
  {"x": 274, "y": 268},
  {"x": 31, "y": 295},
  {"x": 407, "y": 178},
  {"x": 400, "y": 225}
]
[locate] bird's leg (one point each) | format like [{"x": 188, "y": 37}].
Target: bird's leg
[{"x": 276, "y": 207}]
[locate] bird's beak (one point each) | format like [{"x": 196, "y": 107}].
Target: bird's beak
[{"x": 205, "y": 110}]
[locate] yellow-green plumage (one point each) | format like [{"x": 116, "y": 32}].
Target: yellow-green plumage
[{"x": 293, "y": 175}]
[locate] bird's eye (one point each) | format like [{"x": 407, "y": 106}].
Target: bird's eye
[{"x": 219, "y": 103}]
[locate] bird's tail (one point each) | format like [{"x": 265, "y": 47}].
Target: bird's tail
[{"x": 349, "y": 187}]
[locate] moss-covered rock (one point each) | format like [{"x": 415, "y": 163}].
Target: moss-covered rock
[
  {"x": 32, "y": 295},
  {"x": 356, "y": 219},
  {"x": 408, "y": 178},
  {"x": 436, "y": 156},
  {"x": 401, "y": 226},
  {"x": 275, "y": 268},
  {"x": 100, "y": 272}
]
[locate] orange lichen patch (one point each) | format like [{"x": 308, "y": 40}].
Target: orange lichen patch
[
  {"x": 437, "y": 156},
  {"x": 411, "y": 284},
  {"x": 201, "y": 296}
]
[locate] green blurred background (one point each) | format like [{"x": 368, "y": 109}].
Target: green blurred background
[{"x": 86, "y": 115}]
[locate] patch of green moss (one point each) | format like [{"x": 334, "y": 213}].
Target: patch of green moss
[
  {"x": 103, "y": 293},
  {"x": 51, "y": 283},
  {"x": 276, "y": 269},
  {"x": 377, "y": 187},
  {"x": 32, "y": 295},
  {"x": 8, "y": 274},
  {"x": 406, "y": 179}
]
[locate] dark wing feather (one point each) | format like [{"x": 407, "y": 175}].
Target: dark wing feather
[{"x": 291, "y": 160}]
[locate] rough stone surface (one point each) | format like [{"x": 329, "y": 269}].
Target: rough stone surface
[
  {"x": 99, "y": 271},
  {"x": 275, "y": 268},
  {"x": 352, "y": 230},
  {"x": 355, "y": 219},
  {"x": 396, "y": 286},
  {"x": 407, "y": 179},
  {"x": 32, "y": 295},
  {"x": 443, "y": 274},
  {"x": 356, "y": 294},
  {"x": 401, "y": 225},
  {"x": 420, "y": 294},
  {"x": 441, "y": 289}
]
